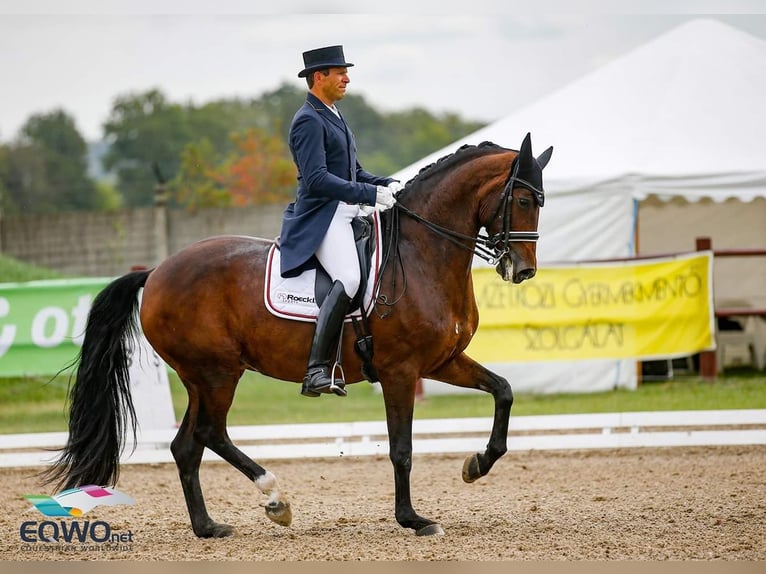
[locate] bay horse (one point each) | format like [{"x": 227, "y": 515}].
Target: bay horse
[{"x": 203, "y": 313}]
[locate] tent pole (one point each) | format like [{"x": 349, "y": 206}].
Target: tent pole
[
  {"x": 636, "y": 251},
  {"x": 708, "y": 367}
]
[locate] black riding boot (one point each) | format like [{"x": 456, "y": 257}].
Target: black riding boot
[{"x": 318, "y": 378}]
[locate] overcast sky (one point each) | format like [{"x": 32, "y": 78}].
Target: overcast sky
[{"x": 482, "y": 65}]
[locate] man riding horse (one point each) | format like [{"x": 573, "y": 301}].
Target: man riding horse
[
  {"x": 331, "y": 187},
  {"x": 198, "y": 312}
]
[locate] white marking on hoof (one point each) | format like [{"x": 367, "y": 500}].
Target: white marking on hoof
[{"x": 269, "y": 486}]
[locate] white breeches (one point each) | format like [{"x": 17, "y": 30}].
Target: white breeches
[{"x": 337, "y": 252}]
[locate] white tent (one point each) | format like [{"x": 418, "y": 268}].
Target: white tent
[{"x": 680, "y": 118}]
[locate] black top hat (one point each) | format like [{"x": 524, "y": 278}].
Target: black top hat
[{"x": 323, "y": 58}]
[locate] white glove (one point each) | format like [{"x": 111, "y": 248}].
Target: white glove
[
  {"x": 385, "y": 197},
  {"x": 395, "y": 186}
]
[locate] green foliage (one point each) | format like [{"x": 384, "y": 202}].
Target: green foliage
[
  {"x": 277, "y": 108},
  {"x": 257, "y": 170},
  {"x": 196, "y": 186},
  {"x": 142, "y": 130},
  {"x": 46, "y": 170},
  {"x": 14, "y": 271},
  {"x": 23, "y": 181},
  {"x": 107, "y": 197}
]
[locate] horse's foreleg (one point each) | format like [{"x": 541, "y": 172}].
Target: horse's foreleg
[
  {"x": 463, "y": 371},
  {"x": 399, "y": 403}
]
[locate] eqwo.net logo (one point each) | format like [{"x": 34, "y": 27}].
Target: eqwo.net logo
[
  {"x": 77, "y": 501},
  {"x": 74, "y": 503}
]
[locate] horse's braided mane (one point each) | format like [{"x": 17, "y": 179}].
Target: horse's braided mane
[{"x": 460, "y": 155}]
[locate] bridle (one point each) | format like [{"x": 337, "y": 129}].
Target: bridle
[{"x": 490, "y": 248}]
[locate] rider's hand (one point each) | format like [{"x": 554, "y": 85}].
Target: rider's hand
[
  {"x": 395, "y": 186},
  {"x": 385, "y": 197}
]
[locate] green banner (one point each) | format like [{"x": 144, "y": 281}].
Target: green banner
[{"x": 42, "y": 324}]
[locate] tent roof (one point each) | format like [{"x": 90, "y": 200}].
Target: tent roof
[{"x": 679, "y": 116}]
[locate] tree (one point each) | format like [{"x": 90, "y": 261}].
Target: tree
[
  {"x": 5, "y": 198},
  {"x": 23, "y": 178},
  {"x": 46, "y": 169},
  {"x": 278, "y": 107},
  {"x": 257, "y": 170},
  {"x": 260, "y": 170},
  {"x": 197, "y": 184},
  {"x": 142, "y": 130},
  {"x": 107, "y": 197}
]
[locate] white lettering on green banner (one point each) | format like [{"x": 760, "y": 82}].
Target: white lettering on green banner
[{"x": 42, "y": 324}]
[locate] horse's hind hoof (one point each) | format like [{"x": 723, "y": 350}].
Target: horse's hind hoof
[
  {"x": 430, "y": 530},
  {"x": 280, "y": 513}
]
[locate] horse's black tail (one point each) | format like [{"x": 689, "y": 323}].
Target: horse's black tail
[{"x": 100, "y": 402}]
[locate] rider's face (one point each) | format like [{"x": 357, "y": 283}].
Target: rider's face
[{"x": 332, "y": 87}]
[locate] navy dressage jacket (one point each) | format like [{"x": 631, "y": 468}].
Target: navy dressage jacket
[{"x": 324, "y": 151}]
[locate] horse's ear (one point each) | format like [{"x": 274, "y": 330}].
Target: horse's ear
[
  {"x": 545, "y": 157},
  {"x": 526, "y": 146}
]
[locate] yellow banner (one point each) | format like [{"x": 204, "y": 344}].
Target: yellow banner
[{"x": 651, "y": 308}]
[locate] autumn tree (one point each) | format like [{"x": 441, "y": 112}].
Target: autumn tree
[{"x": 257, "y": 170}]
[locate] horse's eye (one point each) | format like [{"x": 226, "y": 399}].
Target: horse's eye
[{"x": 523, "y": 202}]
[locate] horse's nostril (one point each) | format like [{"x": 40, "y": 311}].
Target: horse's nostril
[{"x": 524, "y": 274}]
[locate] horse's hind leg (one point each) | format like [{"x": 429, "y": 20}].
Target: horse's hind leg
[
  {"x": 187, "y": 452},
  {"x": 209, "y": 430}
]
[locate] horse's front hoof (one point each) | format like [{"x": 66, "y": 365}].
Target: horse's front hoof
[
  {"x": 215, "y": 530},
  {"x": 430, "y": 530},
  {"x": 280, "y": 513},
  {"x": 471, "y": 470}
]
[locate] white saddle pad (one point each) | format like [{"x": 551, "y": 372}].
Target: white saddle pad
[{"x": 293, "y": 297}]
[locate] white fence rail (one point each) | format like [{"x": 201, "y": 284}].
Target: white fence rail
[{"x": 551, "y": 432}]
